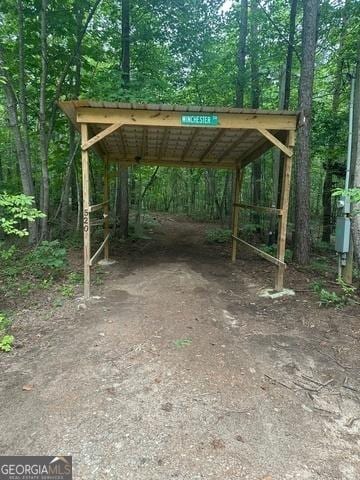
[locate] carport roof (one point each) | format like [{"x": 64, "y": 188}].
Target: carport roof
[{"x": 182, "y": 136}]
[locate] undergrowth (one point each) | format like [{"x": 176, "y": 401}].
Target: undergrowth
[{"x": 338, "y": 299}]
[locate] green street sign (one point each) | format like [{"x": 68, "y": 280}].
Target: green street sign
[{"x": 201, "y": 120}]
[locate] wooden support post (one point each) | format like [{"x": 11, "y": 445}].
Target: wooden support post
[
  {"x": 106, "y": 208},
  {"x": 86, "y": 204},
  {"x": 284, "y": 206},
  {"x": 239, "y": 174}
]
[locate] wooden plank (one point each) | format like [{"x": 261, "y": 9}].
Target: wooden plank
[
  {"x": 234, "y": 144},
  {"x": 284, "y": 205},
  {"x": 254, "y": 152},
  {"x": 104, "y": 133},
  {"x": 238, "y": 179},
  {"x": 212, "y": 144},
  {"x": 99, "y": 206},
  {"x": 188, "y": 108},
  {"x": 97, "y": 223},
  {"x": 259, "y": 208},
  {"x": 288, "y": 152},
  {"x": 86, "y": 213},
  {"x": 173, "y": 119},
  {"x": 144, "y": 142},
  {"x": 259, "y": 252},
  {"x": 164, "y": 142},
  {"x": 106, "y": 203},
  {"x": 189, "y": 143},
  {"x": 99, "y": 250},
  {"x": 176, "y": 163}
]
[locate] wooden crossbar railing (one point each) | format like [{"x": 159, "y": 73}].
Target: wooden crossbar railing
[
  {"x": 99, "y": 250},
  {"x": 261, "y": 253},
  {"x": 258, "y": 208},
  {"x": 99, "y": 206}
]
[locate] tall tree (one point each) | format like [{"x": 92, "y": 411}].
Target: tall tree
[
  {"x": 255, "y": 103},
  {"x": 302, "y": 167},
  {"x": 331, "y": 162},
  {"x": 123, "y": 172},
  {"x": 356, "y": 159},
  {"x": 241, "y": 54},
  {"x": 284, "y": 104}
]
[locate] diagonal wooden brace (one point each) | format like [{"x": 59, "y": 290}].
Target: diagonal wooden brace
[
  {"x": 101, "y": 135},
  {"x": 288, "y": 152}
]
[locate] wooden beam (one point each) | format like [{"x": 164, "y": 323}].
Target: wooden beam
[
  {"x": 144, "y": 142},
  {"x": 86, "y": 213},
  {"x": 275, "y": 141},
  {"x": 254, "y": 152},
  {"x": 106, "y": 203},
  {"x": 99, "y": 206},
  {"x": 259, "y": 208},
  {"x": 259, "y": 252},
  {"x": 238, "y": 179},
  {"x": 173, "y": 118},
  {"x": 212, "y": 144},
  {"x": 175, "y": 163},
  {"x": 234, "y": 144},
  {"x": 189, "y": 143},
  {"x": 104, "y": 133},
  {"x": 284, "y": 205},
  {"x": 99, "y": 250},
  {"x": 164, "y": 142}
]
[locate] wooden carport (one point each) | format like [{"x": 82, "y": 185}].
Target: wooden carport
[{"x": 182, "y": 136}]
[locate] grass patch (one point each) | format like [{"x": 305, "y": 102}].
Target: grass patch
[{"x": 218, "y": 235}]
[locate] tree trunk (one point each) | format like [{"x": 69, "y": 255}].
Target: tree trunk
[
  {"x": 241, "y": 56},
  {"x": 44, "y": 200},
  {"x": 125, "y": 43},
  {"x": 255, "y": 103},
  {"x": 355, "y": 230},
  {"x": 302, "y": 170},
  {"x": 122, "y": 200},
  {"x": 70, "y": 180},
  {"x": 284, "y": 103},
  {"x": 332, "y": 153},
  {"x": 21, "y": 151}
]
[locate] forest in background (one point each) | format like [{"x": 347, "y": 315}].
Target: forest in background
[{"x": 297, "y": 55}]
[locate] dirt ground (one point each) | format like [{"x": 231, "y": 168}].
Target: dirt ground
[{"x": 179, "y": 370}]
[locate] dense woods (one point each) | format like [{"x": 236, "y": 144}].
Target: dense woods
[{"x": 297, "y": 55}]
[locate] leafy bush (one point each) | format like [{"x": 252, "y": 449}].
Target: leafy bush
[
  {"x": 13, "y": 210},
  {"x": 6, "y": 343},
  {"x": 4, "y": 322},
  {"x": 218, "y": 235},
  {"x": 328, "y": 299},
  {"x": 272, "y": 250},
  {"x": 47, "y": 256}
]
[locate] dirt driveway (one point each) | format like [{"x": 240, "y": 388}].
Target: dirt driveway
[{"x": 179, "y": 370}]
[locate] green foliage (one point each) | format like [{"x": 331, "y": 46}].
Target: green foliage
[
  {"x": 13, "y": 210},
  {"x": 75, "y": 278},
  {"x": 218, "y": 235},
  {"x": 272, "y": 250},
  {"x": 6, "y": 340},
  {"x": 67, "y": 291},
  {"x": 182, "y": 342},
  {"x": 6, "y": 343},
  {"x": 48, "y": 256},
  {"x": 6, "y": 253},
  {"x": 352, "y": 193},
  {"x": 333, "y": 299},
  {"x": 4, "y": 322}
]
